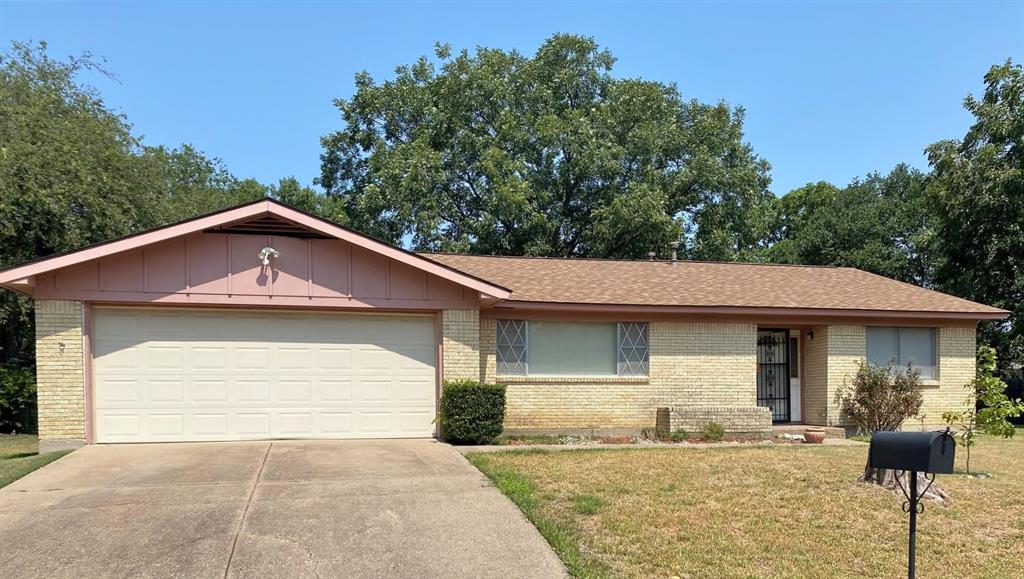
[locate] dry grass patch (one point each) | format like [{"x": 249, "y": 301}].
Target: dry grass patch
[{"x": 780, "y": 511}]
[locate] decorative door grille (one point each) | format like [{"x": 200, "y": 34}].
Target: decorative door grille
[{"x": 773, "y": 373}]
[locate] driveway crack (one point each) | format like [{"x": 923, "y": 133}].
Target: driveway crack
[{"x": 245, "y": 510}]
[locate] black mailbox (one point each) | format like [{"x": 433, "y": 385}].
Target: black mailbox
[{"x": 930, "y": 452}]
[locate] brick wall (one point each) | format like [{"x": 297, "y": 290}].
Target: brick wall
[
  {"x": 957, "y": 346},
  {"x": 833, "y": 356},
  {"x": 814, "y": 382},
  {"x": 461, "y": 344},
  {"x": 751, "y": 420},
  {"x": 691, "y": 364},
  {"x": 59, "y": 371}
]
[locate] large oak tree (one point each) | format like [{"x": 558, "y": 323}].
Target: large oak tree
[{"x": 497, "y": 152}]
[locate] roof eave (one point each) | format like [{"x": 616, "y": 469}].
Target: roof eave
[
  {"x": 749, "y": 310},
  {"x": 27, "y": 271}
]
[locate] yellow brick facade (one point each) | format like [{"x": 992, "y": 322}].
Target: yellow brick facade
[
  {"x": 60, "y": 378},
  {"x": 461, "y": 344},
  {"x": 691, "y": 364},
  {"x": 832, "y": 358},
  {"x": 957, "y": 350}
]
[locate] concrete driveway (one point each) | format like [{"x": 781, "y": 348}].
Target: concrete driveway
[{"x": 407, "y": 508}]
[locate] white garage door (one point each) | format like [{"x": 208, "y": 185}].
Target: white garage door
[{"x": 193, "y": 375}]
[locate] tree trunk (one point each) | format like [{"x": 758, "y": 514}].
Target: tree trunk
[{"x": 892, "y": 479}]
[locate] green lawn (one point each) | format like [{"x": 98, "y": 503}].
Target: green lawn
[
  {"x": 785, "y": 511},
  {"x": 19, "y": 456}
]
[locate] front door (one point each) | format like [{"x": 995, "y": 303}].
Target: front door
[{"x": 773, "y": 377}]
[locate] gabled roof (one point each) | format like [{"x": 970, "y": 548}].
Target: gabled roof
[
  {"x": 710, "y": 286},
  {"x": 266, "y": 215}
]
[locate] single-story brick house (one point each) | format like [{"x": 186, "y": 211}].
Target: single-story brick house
[{"x": 262, "y": 321}]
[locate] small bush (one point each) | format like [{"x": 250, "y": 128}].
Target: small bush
[
  {"x": 680, "y": 435},
  {"x": 17, "y": 399},
  {"x": 712, "y": 432},
  {"x": 880, "y": 398},
  {"x": 471, "y": 412}
]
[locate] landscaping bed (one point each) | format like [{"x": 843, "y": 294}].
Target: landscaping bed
[{"x": 642, "y": 439}]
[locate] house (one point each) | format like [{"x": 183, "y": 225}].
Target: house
[{"x": 262, "y": 321}]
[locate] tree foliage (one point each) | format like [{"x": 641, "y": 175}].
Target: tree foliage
[
  {"x": 977, "y": 191},
  {"x": 989, "y": 409},
  {"x": 497, "y": 152},
  {"x": 879, "y": 224},
  {"x": 72, "y": 174}
]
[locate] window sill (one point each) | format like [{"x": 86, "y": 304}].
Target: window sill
[
  {"x": 930, "y": 383},
  {"x": 528, "y": 379}
]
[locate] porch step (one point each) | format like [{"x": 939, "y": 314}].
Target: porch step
[{"x": 830, "y": 431}]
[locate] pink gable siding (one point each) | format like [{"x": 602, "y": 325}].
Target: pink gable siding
[{"x": 222, "y": 269}]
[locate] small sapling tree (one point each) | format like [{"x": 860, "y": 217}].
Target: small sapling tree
[{"x": 987, "y": 407}]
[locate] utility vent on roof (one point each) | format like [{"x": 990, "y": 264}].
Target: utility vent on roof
[{"x": 268, "y": 225}]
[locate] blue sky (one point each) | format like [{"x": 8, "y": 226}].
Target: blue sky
[{"x": 832, "y": 90}]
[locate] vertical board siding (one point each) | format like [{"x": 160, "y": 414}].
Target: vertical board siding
[{"x": 226, "y": 266}]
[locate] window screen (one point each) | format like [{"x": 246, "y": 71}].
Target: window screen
[
  {"x": 902, "y": 346},
  {"x": 633, "y": 352},
  {"x": 571, "y": 348},
  {"x": 511, "y": 347}
]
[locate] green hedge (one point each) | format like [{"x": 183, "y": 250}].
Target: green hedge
[{"x": 471, "y": 412}]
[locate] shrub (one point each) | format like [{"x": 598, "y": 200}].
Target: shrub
[
  {"x": 680, "y": 435},
  {"x": 17, "y": 399},
  {"x": 881, "y": 398},
  {"x": 712, "y": 432},
  {"x": 471, "y": 412}
]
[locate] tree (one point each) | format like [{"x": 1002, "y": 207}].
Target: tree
[
  {"x": 72, "y": 174},
  {"x": 185, "y": 183},
  {"x": 882, "y": 398},
  {"x": 988, "y": 407},
  {"x": 497, "y": 152},
  {"x": 69, "y": 172},
  {"x": 289, "y": 191},
  {"x": 977, "y": 192},
  {"x": 879, "y": 224}
]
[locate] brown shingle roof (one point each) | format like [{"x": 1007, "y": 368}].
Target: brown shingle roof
[{"x": 704, "y": 284}]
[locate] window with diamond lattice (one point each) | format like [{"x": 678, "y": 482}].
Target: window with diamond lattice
[
  {"x": 511, "y": 347},
  {"x": 633, "y": 351}
]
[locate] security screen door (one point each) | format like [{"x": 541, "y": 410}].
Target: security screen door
[{"x": 773, "y": 373}]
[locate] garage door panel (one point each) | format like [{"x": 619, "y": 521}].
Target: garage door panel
[
  {"x": 207, "y": 358},
  {"x": 120, "y": 355},
  {"x": 250, "y": 358},
  {"x": 191, "y": 375},
  {"x": 333, "y": 390},
  {"x": 209, "y": 425},
  {"x": 115, "y": 391},
  {"x": 251, "y": 391},
  {"x": 209, "y": 391},
  {"x": 165, "y": 391},
  {"x": 335, "y": 424}
]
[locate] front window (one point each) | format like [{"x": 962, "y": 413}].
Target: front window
[
  {"x": 902, "y": 346},
  {"x": 547, "y": 348}
]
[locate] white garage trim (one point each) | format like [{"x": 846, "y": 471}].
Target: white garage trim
[{"x": 174, "y": 374}]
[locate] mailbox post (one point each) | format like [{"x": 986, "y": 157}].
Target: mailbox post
[{"x": 930, "y": 453}]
